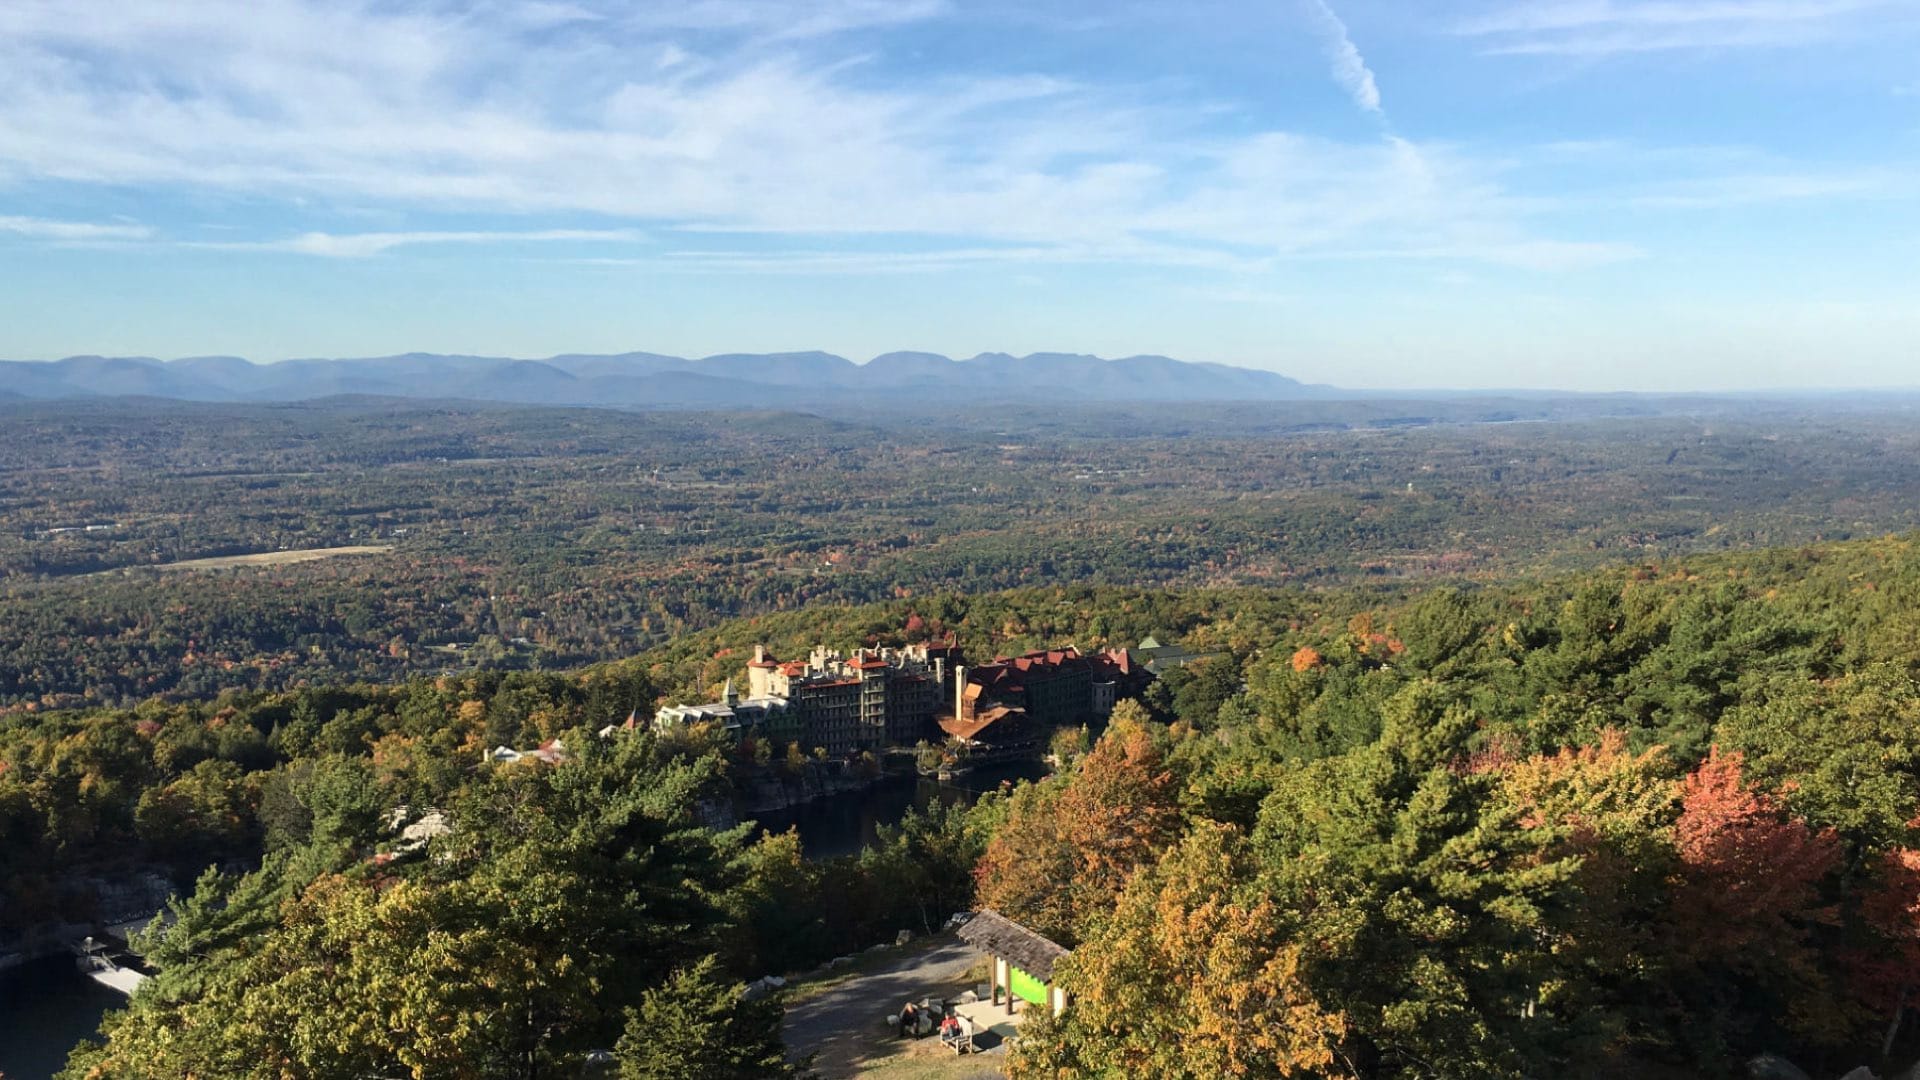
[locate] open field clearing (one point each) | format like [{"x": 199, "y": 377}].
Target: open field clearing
[{"x": 272, "y": 558}]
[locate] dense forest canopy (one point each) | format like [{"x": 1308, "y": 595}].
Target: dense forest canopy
[
  {"x": 1657, "y": 818},
  {"x": 1564, "y": 749}
]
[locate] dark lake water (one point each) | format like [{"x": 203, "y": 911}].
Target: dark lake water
[
  {"x": 844, "y": 824},
  {"x": 46, "y": 1007}
]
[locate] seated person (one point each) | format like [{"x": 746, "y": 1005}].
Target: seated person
[{"x": 908, "y": 1014}]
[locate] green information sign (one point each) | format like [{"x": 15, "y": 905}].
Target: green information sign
[{"x": 1026, "y": 986}]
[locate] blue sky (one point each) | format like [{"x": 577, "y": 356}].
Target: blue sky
[{"x": 1591, "y": 194}]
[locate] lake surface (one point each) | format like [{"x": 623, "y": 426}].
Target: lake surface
[
  {"x": 45, "y": 1008},
  {"x": 844, "y": 824}
]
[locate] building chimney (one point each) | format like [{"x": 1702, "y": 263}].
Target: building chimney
[{"x": 959, "y": 691}]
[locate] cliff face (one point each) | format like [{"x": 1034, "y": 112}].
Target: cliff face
[
  {"x": 768, "y": 790},
  {"x": 90, "y": 903}
]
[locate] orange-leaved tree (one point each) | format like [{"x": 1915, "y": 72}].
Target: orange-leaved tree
[
  {"x": 1068, "y": 847},
  {"x": 1194, "y": 974}
]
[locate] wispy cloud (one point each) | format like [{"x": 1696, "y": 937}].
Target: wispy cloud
[
  {"x": 1350, "y": 69},
  {"x": 759, "y": 119},
  {"x": 1548, "y": 255},
  {"x": 778, "y": 19},
  {"x": 364, "y": 245},
  {"x": 1606, "y": 27},
  {"x": 1642, "y": 176},
  {"x": 890, "y": 262},
  {"x": 1754, "y": 189},
  {"x": 45, "y": 229}
]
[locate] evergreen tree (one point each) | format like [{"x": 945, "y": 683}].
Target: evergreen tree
[{"x": 697, "y": 1024}]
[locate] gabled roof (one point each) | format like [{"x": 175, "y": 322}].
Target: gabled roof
[
  {"x": 971, "y": 729},
  {"x": 997, "y": 935},
  {"x": 1041, "y": 664}
]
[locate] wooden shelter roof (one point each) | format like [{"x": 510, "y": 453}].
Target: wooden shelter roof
[{"x": 997, "y": 935}]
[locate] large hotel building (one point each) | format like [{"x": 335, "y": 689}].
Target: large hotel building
[{"x": 873, "y": 698}]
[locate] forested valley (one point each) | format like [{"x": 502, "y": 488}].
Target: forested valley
[
  {"x": 1651, "y": 820},
  {"x": 150, "y": 548},
  {"x": 1575, "y": 749}
]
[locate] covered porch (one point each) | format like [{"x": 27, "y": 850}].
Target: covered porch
[{"x": 1020, "y": 965}]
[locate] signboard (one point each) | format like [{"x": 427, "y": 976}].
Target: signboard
[{"x": 1026, "y": 986}]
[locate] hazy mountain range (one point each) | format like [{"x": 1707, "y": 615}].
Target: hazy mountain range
[{"x": 747, "y": 380}]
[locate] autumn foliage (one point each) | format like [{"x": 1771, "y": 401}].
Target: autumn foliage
[
  {"x": 1189, "y": 979},
  {"x": 1887, "y": 968},
  {"x": 1066, "y": 852},
  {"x": 1750, "y": 874}
]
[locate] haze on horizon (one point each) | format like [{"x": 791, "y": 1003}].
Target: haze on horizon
[{"x": 1574, "y": 194}]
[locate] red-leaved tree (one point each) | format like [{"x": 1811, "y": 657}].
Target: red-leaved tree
[
  {"x": 1885, "y": 974},
  {"x": 1746, "y": 903},
  {"x": 1750, "y": 873}
]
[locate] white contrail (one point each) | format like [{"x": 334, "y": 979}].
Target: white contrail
[{"x": 1349, "y": 67}]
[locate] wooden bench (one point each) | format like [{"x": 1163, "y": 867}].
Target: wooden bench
[{"x": 961, "y": 1041}]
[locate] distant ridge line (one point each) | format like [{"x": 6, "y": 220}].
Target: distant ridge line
[{"x": 737, "y": 380}]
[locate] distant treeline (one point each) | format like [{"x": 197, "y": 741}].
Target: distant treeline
[{"x": 530, "y": 538}]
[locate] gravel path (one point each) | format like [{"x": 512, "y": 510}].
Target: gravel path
[{"x": 846, "y": 1025}]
